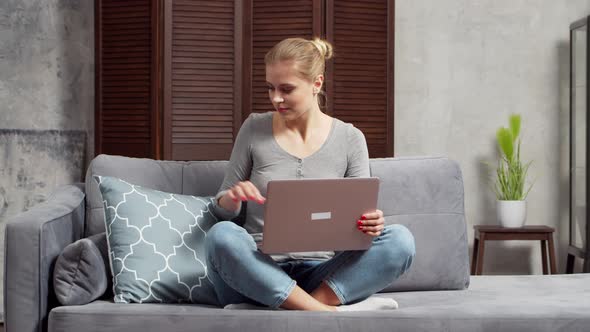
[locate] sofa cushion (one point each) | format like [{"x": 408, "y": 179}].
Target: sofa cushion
[
  {"x": 155, "y": 174},
  {"x": 492, "y": 303},
  {"x": 156, "y": 243},
  {"x": 80, "y": 274},
  {"x": 198, "y": 178},
  {"x": 425, "y": 194}
]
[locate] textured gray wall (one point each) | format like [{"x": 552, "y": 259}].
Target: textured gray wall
[
  {"x": 462, "y": 67},
  {"x": 35, "y": 161},
  {"x": 47, "y": 99}
]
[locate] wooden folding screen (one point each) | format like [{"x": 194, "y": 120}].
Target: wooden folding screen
[
  {"x": 360, "y": 77},
  {"x": 202, "y": 78},
  {"x": 126, "y": 112},
  {"x": 271, "y": 24},
  {"x": 176, "y": 78}
]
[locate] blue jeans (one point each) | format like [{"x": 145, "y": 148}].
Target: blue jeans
[{"x": 241, "y": 273}]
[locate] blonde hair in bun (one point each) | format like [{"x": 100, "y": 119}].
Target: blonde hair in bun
[
  {"x": 309, "y": 55},
  {"x": 324, "y": 47}
]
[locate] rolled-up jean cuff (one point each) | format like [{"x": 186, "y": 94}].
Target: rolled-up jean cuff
[
  {"x": 284, "y": 295},
  {"x": 336, "y": 290}
]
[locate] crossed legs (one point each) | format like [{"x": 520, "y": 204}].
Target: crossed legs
[{"x": 240, "y": 273}]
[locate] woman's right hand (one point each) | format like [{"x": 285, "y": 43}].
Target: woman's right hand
[
  {"x": 245, "y": 191},
  {"x": 242, "y": 191}
]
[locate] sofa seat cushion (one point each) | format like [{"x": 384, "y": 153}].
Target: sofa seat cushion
[{"x": 492, "y": 303}]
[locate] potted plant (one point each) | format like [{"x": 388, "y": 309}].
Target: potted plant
[{"x": 511, "y": 176}]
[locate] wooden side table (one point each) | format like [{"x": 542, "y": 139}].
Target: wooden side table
[{"x": 485, "y": 233}]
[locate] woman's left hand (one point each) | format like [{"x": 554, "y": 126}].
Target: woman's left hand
[{"x": 371, "y": 223}]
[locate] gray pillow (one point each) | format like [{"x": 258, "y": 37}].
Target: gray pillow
[
  {"x": 156, "y": 243},
  {"x": 81, "y": 273}
]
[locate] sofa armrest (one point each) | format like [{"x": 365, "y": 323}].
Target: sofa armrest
[{"x": 33, "y": 240}]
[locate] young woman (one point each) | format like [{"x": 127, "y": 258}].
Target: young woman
[{"x": 298, "y": 141}]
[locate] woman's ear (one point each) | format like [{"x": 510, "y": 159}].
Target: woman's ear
[{"x": 317, "y": 84}]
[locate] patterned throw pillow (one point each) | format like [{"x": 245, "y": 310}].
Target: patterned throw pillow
[{"x": 156, "y": 244}]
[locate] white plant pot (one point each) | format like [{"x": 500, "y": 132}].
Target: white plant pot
[{"x": 511, "y": 213}]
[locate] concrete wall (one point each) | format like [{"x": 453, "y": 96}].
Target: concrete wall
[
  {"x": 461, "y": 68},
  {"x": 47, "y": 99}
]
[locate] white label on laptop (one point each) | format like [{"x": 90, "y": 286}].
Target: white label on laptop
[{"x": 321, "y": 215}]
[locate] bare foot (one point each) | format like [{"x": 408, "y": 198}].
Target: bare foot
[{"x": 301, "y": 300}]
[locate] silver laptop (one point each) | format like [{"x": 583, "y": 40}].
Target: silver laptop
[{"x": 317, "y": 214}]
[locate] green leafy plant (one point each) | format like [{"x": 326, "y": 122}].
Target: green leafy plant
[{"x": 511, "y": 172}]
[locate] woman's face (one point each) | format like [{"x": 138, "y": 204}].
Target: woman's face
[{"x": 291, "y": 95}]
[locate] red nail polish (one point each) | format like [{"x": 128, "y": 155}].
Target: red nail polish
[
  {"x": 363, "y": 217},
  {"x": 360, "y": 227},
  {"x": 358, "y": 222}
]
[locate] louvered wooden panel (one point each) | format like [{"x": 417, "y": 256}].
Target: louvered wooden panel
[
  {"x": 362, "y": 71},
  {"x": 123, "y": 78},
  {"x": 272, "y": 23},
  {"x": 202, "y": 71}
]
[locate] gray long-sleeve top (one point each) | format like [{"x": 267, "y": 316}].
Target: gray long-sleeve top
[{"x": 257, "y": 157}]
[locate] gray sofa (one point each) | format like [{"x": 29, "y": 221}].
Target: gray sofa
[{"x": 437, "y": 293}]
